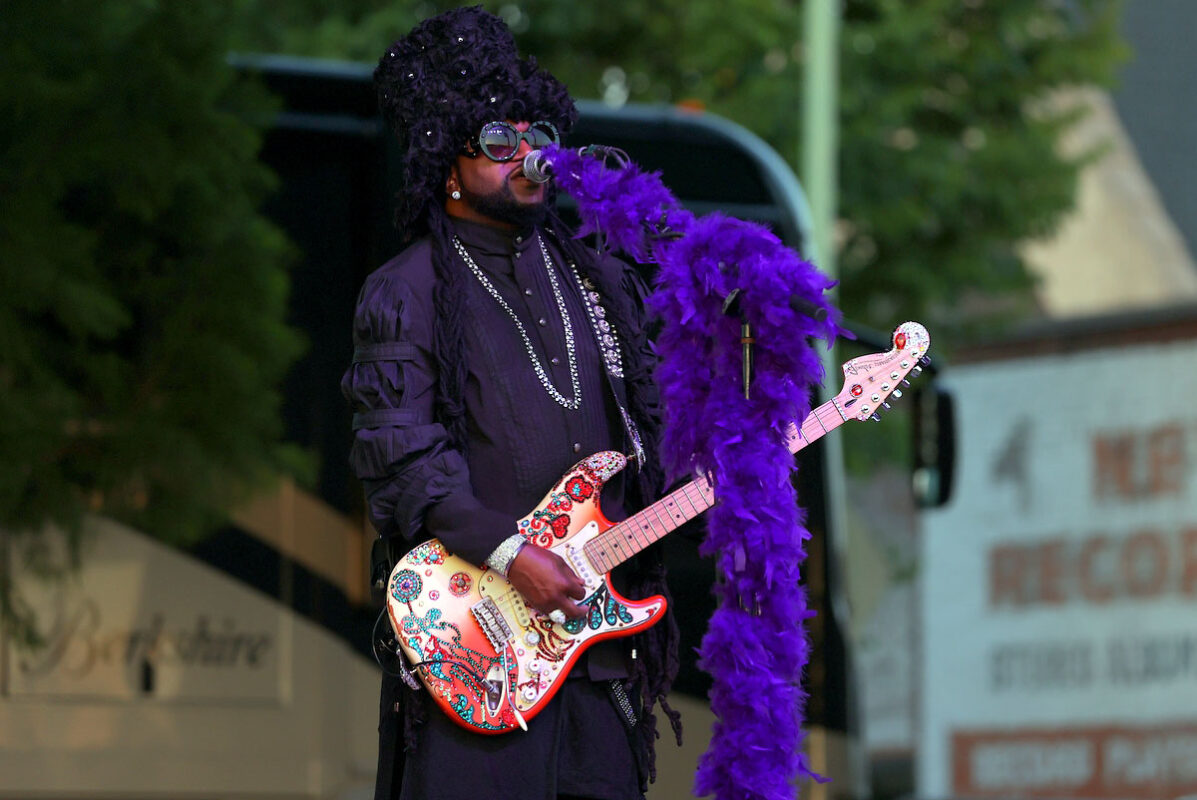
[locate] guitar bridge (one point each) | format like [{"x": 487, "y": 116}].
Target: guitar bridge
[{"x": 491, "y": 620}]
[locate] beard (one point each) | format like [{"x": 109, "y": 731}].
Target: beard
[{"x": 502, "y": 206}]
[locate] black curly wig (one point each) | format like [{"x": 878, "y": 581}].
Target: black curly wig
[{"x": 439, "y": 84}]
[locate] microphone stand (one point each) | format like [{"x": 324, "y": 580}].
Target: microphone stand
[{"x": 732, "y": 307}]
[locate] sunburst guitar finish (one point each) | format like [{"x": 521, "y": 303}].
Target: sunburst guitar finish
[{"x": 492, "y": 663}]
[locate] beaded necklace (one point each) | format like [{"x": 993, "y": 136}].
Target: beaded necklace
[
  {"x": 604, "y": 331},
  {"x": 575, "y": 403}
]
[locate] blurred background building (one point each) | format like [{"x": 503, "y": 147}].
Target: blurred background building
[
  {"x": 1040, "y": 645},
  {"x": 1056, "y": 591}
]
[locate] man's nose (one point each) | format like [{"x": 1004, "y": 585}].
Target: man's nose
[{"x": 525, "y": 146}]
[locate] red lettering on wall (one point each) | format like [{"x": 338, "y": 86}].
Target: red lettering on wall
[
  {"x": 1113, "y": 455},
  {"x": 1007, "y": 575},
  {"x": 1130, "y": 465},
  {"x": 1119, "y": 763},
  {"x": 1166, "y": 460},
  {"x": 1092, "y": 587},
  {"x": 1188, "y": 557},
  {"x": 1145, "y": 564},
  {"x": 1051, "y": 572},
  {"x": 1097, "y": 569}
]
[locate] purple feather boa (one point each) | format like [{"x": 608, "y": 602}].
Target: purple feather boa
[{"x": 755, "y": 647}]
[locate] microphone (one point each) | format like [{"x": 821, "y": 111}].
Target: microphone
[
  {"x": 537, "y": 168},
  {"x": 731, "y": 306},
  {"x": 804, "y": 306}
]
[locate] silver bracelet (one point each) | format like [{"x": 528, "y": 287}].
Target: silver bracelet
[{"x": 501, "y": 559}]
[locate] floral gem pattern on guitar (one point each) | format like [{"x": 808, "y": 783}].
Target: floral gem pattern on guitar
[
  {"x": 459, "y": 673},
  {"x": 552, "y": 521}
]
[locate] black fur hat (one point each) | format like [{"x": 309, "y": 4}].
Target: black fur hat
[{"x": 441, "y": 82}]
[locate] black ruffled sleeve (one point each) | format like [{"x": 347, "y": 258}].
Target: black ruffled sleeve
[{"x": 417, "y": 486}]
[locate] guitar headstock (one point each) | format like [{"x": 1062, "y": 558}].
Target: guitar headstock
[{"x": 870, "y": 380}]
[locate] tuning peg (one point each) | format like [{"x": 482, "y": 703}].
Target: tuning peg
[
  {"x": 925, "y": 360},
  {"x": 885, "y": 406},
  {"x": 905, "y": 382},
  {"x": 876, "y": 417},
  {"x": 916, "y": 371},
  {"x": 897, "y": 392}
]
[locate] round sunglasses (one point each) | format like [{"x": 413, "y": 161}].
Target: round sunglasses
[{"x": 500, "y": 140}]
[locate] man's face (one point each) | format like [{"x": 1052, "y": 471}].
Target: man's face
[{"x": 496, "y": 192}]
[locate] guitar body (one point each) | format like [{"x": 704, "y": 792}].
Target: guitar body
[{"x": 489, "y": 660}]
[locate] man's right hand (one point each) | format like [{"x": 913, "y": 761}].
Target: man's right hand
[{"x": 547, "y": 582}]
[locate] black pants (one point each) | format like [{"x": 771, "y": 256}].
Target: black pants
[{"x": 576, "y": 748}]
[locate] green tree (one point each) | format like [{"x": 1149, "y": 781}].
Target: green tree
[
  {"x": 949, "y": 151},
  {"x": 951, "y": 158},
  {"x": 143, "y": 295}
]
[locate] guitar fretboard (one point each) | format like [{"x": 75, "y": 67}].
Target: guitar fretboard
[{"x": 625, "y": 539}]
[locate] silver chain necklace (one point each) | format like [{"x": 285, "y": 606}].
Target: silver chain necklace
[{"x": 571, "y": 355}]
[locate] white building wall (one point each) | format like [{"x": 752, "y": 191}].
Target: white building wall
[
  {"x": 1059, "y": 587},
  {"x": 1119, "y": 249},
  {"x": 247, "y": 699}
]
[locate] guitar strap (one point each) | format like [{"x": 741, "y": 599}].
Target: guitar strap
[
  {"x": 623, "y": 703},
  {"x": 618, "y": 386},
  {"x": 607, "y": 341}
]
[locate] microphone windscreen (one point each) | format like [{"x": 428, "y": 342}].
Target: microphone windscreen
[{"x": 537, "y": 168}]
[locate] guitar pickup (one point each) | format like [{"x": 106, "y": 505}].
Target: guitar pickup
[{"x": 491, "y": 620}]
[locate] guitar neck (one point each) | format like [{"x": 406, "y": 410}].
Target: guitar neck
[{"x": 625, "y": 539}]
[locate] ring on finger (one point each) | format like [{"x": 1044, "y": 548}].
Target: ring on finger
[{"x": 558, "y": 616}]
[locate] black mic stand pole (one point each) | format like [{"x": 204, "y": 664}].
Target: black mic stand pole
[{"x": 731, "y": 307}]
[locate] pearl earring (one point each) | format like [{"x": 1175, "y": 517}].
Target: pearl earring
[{"x": 456, "y": 195}]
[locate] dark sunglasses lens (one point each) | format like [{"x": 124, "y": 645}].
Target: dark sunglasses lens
[
  {"x": 541, "y": 134},
  {"x": 499, "y": 141}
]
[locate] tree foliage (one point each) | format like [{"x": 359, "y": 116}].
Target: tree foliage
[
  {"x": 949, "y": 153},
  {"x": 144, "y": 297}
]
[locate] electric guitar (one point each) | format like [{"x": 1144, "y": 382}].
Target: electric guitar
[{"x": 489, "y": 660}]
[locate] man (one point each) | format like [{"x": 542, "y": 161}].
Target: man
[{"x": 492, "y": 354}]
